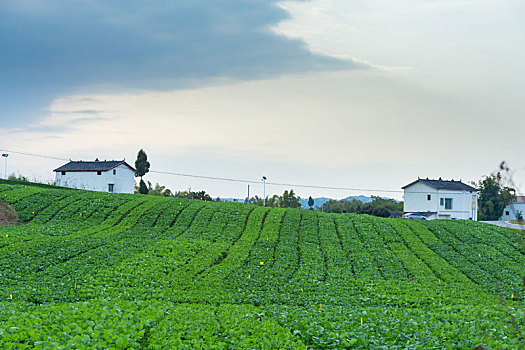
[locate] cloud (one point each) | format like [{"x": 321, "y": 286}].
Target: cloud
[
  {"x": 355, "y": 129},
  {"x": 83, "y": 111},
  {"x": 355, "y": 117},
  {"x": 64, "y": 47}
]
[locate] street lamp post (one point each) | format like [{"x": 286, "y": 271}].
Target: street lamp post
[
  {"x": 5, "y": 168},
  {"x": 264, "y": 190}
]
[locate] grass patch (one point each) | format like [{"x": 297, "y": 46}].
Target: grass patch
[{"x": 517, "y": 222}]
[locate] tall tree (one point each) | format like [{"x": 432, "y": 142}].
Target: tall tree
[
  {"x": 142, "y": 168},
  {"x": 310, "y": 202},
  {"x": 143, "y": 189},
  {"x": 493, "y": 197}
]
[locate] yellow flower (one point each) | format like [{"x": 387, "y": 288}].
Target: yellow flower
[{"x": 261, "y": 263}]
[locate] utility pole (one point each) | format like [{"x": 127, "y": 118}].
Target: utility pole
[
  {"x": 248, "y": 199},
  {"x": 264, "y": 190},
  {"x": 5, "y": 170}
]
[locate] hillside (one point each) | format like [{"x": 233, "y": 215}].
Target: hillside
[{"x": 97, "y": 270}]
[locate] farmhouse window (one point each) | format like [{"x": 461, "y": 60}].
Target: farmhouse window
[
  {"x": 110, "y": 187},
  {"x": 114, "y": 171},
  {"x": 429, "y": 197},
  {"x": 99, "y": 172},
  {"x": 448, "y": 203},
  {"x": 441, "y": 201},
  {"x": 63, "y": 173},
  {"x": 507, "y": 213}
]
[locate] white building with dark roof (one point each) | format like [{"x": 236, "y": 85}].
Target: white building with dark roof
[
  {"x": 441, "y": 199},
  {"x": 104, "y": 176},
  {"x": 510, "y": 212}
]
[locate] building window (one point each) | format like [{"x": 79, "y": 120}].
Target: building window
[
  {"x": 110, "y": 187},
  {"x": 99, "y": 172},
  {"x": 63, "y": 173},
  {"x": 114, "y": 171},
  {"x": 448, "y": 203},
  {"x": 507, "y": 213},
  {"x": 429, "y": 197},
  {"x": 441, "y": 201}
]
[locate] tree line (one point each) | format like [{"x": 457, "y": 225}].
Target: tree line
[
  {"x": 493, "y": 196},
  {"x": 382, "y": 207},
  {"x": 287, "y": 200}
]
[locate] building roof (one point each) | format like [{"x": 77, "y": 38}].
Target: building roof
[
  {"x": 96, "y": 165},
  {"x": 450, "y": 185}
]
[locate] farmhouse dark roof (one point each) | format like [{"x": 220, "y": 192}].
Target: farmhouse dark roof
[
  {"x": 92, "y": 166},
  {"x": 444, "y": 185}
]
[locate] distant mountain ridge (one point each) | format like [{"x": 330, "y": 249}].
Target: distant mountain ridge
[{"x": 321, "y": 200}]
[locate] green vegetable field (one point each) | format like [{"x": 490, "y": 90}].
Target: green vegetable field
[{"x": 94, "y": 270}]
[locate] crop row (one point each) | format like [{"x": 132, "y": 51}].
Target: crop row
[
  {"x": 148, "y": 272},
  {"x": 490, "y": 271},
  {"x": 105, "y": 324}
]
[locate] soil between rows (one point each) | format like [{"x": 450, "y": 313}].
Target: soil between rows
[{"x": 8, "y": 216}]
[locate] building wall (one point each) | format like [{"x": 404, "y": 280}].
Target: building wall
[
  {"x": 415, "y": 199},
  {"x": 512, "y": 209},
  {"x": 123, "y": 181}
]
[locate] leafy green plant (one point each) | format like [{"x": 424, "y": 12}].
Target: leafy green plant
[{"x": 98, "y": 270}]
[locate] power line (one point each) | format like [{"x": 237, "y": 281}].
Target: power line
[
  {"x": 272, "y": 183},
  {"x": 205, "y": 177},
  {"x": 32, "y": 154},
  {"x": 237, "y": 180}
]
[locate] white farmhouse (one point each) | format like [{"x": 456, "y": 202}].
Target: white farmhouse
[
  {"x": 103, "y": 176},
  {"x": 510, "y": 212},
  {"x": 441, "y": 199}
]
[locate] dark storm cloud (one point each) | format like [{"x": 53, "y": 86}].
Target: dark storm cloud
[{"x": 62, "y": 46}]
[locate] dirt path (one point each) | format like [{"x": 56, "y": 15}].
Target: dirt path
[{"x": 7, "y": 215}]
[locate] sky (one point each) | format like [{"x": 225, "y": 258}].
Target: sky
[{"x": 365, "y": 95}]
